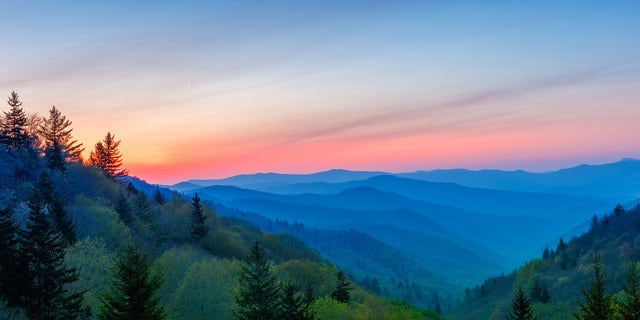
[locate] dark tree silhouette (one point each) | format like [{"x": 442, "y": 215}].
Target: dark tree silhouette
[
  {"x": 342, "y": 292},
  {"x": 133, "y": 295},
  {"x": 293, "y": 305},
  {"x": 259, "y": 292},
  {"x": 42, "y": 248},
  {"x": 630, "y": 302},
  {"x": 198, "y": 227},
  {"x": 144, "y": 210},
  {"x": 597, "y": 304},
  {"x": 56, "y": 209},
  {"x": 13, "y": 129},
  {"x": 123, "y": 209},
  {"x": 9, "y": 249},
  {"x": 520, "y": 308},
  {"x": 157, "y": 197},
  {"x": 107, "y": 157},
  {"x": 59, "y": 145}
]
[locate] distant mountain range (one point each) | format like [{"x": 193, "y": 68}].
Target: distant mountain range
[
  {"x": 619, "y": 181},
  {"x": 471, "y": 224}
]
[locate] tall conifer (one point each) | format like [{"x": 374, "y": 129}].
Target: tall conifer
[
  {"x": 259, "y": 294},
  {"x": 520, "y": 308},
  {"x": 198, "y": 227},
  {"x": 597, "y": 304},
  {"x": 342, "y": 292},
  {"x": 14, "y": 125},
  {"x": 107, "y": 157},
  {"x": 59, "y": 145},
  {"x": 630, "y": 302},
  {"x": 42, "y": 248},
  {"x": 133, "y": 295}
]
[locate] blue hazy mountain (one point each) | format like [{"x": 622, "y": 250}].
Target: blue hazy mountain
[
  {"x": 267, "y": 180},
  {"x": 619, "y": 180},
  {"x": 512, "y": 225},
  {"x": 408, "y": 232}
]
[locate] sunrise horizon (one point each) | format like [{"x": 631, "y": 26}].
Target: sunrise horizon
[{"x": 211, "y": 89}]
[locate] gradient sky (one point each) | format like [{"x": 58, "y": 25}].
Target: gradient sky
[{"x": 203, "y": 89}]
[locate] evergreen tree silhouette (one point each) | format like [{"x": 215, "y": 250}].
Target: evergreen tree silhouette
[
  {"x": 9, "y": 267},
  {"x": 293, "y": 305},
  {"x": 133, "y": 295},
  {"x": 342, "y": 292},
  {"x": 59, "y": 145},
  {"x": 42, "y": 248},
  {"x": 13, "y": 129},
  {"x": 630, "y": 302},
  {"x": 198, "y": 227},
  {"x": 157, "y": 197},
  {"x": 520, "y": 308},
  {"x": 123, "y": 209},
  {"x": 597, "y": 304},
  {"x": 107, "y": 157},
  {"x": 259, "y": 293}
]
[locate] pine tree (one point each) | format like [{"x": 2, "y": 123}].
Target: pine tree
[
  {"x": 630, "y": 303},
  {"x": 55, "y": 208},
  {"x": 618, "y": 210},
  {"x": 42, "y": 249},
  {"x": 198, "y": 227},
  {"x": 14, "y": 127},
  {"x": 9, "y": 256},
  {"x": 520, "y": 308},
  {"x": 143, "y": 208},
  {"x": 59, "y": 145},
  {"x": 597, "y": 304},
  {"x": 123, "y": 209},
  {"x": 157, "y": 197},
  {"x": 342, "y": 292},
  {"x": 107, "y": 157},
  {"x": 259, "y": 294},
  {"x": 561, "y": 246},
  {"x": 62, "y": 221},
  {"x": 133, "y": 295},
  {"x": 293, "y": 305}
]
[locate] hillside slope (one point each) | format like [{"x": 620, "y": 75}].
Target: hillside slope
[{"x": 564, "y": 270}]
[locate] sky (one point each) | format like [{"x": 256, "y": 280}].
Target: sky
[{"x": 209, "y": 89}]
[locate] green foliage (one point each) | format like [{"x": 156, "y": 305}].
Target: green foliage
[
  {"x": 206, "y": 292},
  {"x": 93, "y": 262},
  {"x": 174, "y": 264},
  {"x": 93, "y": 219},
  {"x": 259, "y": 292},
  {"x": 308, "y": 274},
  {"x": 133, "y": 294},
  {"x": 520, "y": 308}
]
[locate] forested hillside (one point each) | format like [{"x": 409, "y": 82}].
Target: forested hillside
[
  {"x": 80, "y": 241},
  {"x": 564, "y": 279}
]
